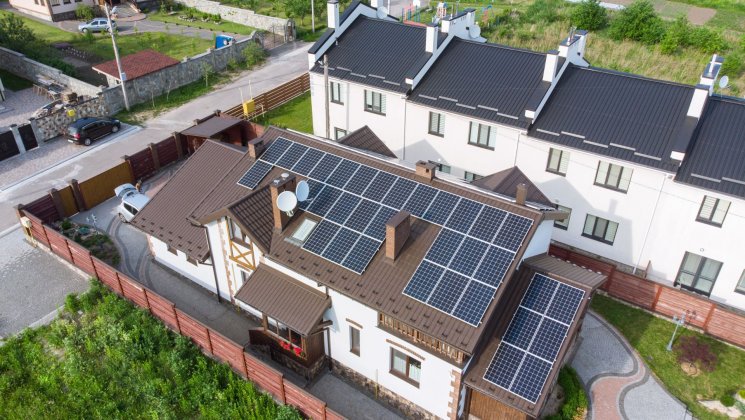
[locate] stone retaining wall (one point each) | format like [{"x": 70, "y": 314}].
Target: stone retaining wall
[
  {"x": 238, "y": 15},
  {"x": 54, "y": 124}
]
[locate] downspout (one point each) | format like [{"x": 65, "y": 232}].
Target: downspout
[
  {"x": 649, "y": 227},
  {"x": 404, "y": 152}
]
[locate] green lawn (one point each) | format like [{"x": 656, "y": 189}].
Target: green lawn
[
  {"x": 224, "y": 26},
  {"x": 117, "y": 361},
  {"x": 295, "y": 114},
  {"x": 649, "y": 335},
  {"x": 13, "y": 82}
]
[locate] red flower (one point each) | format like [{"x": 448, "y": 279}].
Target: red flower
[{"x": 298, "y": 351}]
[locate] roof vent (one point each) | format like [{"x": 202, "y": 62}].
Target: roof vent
[{"x": 425, "y": 170}]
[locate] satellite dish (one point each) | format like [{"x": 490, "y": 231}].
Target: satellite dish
[
  {"x": 724, "y": 82},
  {"x": 474, "y": 31},
  {"x": 302, "y": 191},
  {"x": 382, "y": 12},
  {"x": 286, "y": 201}
]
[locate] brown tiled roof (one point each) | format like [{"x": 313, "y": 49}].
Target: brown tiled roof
[
  {"x": 505, "y": 182},
  {"x": 255, "y": 214},
  {"x": 279, "y": 296},
  {"x": 137, "y": 65},
  {"x": 166, "y": 216},
  {"x": 364, "y": 139},
  {"x": 212, "y": 127}
]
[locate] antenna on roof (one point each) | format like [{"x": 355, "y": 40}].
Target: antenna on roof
[
  {"x": 724, "y": 82},
  {"x": 474, "y": 31},
  {"x": 302, "y": 191},
  {"x": 287, "y": 201}
]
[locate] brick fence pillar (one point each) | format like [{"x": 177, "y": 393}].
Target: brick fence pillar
[{"x": 79, "y": 199}]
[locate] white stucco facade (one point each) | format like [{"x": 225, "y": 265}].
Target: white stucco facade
[
  {"x": 47, "y": 9},
  {"x": 176, "y": 260}
]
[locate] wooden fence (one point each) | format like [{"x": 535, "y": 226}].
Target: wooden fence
[
  {"x": 713, "y": 318},
  {"x": 273, "y": 98},
  {"x": 210, "y": 341}
]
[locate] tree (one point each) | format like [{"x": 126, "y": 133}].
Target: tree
[
  {"x": 638, "y": 22},
  {"x": 297, "y": 9},
  {"x": 14, "y": 34},
  {"x": 207, "y": 72},
  {"x": 590, "y": 15}
]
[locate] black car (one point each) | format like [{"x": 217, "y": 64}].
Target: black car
[{"x": 85, "y": 130}]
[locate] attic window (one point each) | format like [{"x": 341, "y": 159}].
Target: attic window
[{"x": 303, "y": 231}]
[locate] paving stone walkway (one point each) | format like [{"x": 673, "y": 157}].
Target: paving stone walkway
[{"x": 619, "y": 383}]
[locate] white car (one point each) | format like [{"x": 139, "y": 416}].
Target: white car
[{"x": 132, "y": 201}]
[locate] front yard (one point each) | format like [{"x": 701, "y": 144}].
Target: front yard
[
  {"x": 649, "y": 336},
  {"x": 104, "y": 358}
]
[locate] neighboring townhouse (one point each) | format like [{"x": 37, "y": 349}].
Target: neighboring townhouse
[
  {"x": 437, "y": 295},
  {"x": 612, "y": 148},
  {"x": 52, "y": 10}
]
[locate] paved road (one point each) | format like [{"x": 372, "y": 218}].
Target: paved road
[{"x": 284, "y": 64}]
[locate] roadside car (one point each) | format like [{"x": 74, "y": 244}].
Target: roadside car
[
  {"x": 85, "y": 130},
  {"x": 132, "y": 201},
  {"x": 96, "y": 25}
]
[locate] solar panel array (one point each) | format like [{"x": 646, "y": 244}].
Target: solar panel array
[
  {"x": 464, "y": 266},
  {"x": 532, "y": 341}
]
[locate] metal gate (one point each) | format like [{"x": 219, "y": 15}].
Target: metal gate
[
  {"x": 8, "y": 146},
  {"x": 27, "y": 136}
]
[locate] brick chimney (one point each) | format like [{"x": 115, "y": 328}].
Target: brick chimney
[
  {"x": 332, "y": 11},
  {"x": 521, "y": 195},
  {"x": 397, "y": 231},
  {"x": 425, "y": 170},
  {"x": 277, "y": 187},
  {"x": 256, "y": 148}
]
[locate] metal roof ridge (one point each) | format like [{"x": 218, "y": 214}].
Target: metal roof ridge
[
  {"x": 501, "y": 46},
  {"x": 631, "y": 75}
]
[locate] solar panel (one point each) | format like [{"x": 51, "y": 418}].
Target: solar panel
[
  {"x": 255, "y": 174},
  {"x": 343, "y": 208},
  {"x": 441, "y": 207},
  {"x": 376, "y": 228},
  {"x": 362, "y": 215},
  {"x": 464, "y": 215},
  {"x": 487, "y": 223},
  {"x": 534, "y": 338},
  {"x": 424, "y": 280},
  {"x": 444, "y": 247},
  {"x": 468, "y": 256},
  {"x": 291, "y": 157},
  {"x": 361, "y": 180},
  {"x": 474, "y": 302},
  {"x": 342, "y": 173},
  {"x": 399, "y": 193},
  {"x": 494, "y": 266},
  {"x": 275, "y": 150},
  {"x": 379, "y": 186},
  {"x": 324, "y": 168},
  {"x": 420, "y": 200},
  {"x": 309, "y": 161},
  {"x": 320, "y": 237},
  {"x": 513, "y": 231},
  {"x": 448, "y": 291},
  {"x": 324, "y": 201},
  {"x": 361, "y": 254},
  {"x": 340, "y": 245}
]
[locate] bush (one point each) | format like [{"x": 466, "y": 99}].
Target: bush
[
  {"x": 72, "y": 304},
  {"x": 254, "y": 55},
  {"x": 575, "y": 399},
  {"x": 727, "y": 400},
  {"x": 590, "y": 15},
  {"x": 741, "y": 393},
  {"x": 638, "y": 22},
  {"x": 66, "y": 224},
  {"x": 84, "y": 12},
  {"x": 733, "y": 65},
  {"x": 706, "y": 40},
  {"x": 543, "y": 11},
  {"x": 694, "y": 352}
]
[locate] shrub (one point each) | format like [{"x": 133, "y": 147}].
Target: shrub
[
  {"x": 638, "y": 22},
  {"x": 727, "y": 400},
  {"x": 706, "y": 40},
  {"x": 84, "y": 12},
  {"x": 254, "y": 55},
  {"x": 694, "y": 352},
  {"x": 733, "y": 64},
  {"x": 590, "y": 15},
  {"x": 72, "y": 304},
  {"x": 676, "y": 36},
  {"x": 575, "y": 399},
  {"x": 66, "y": 224},
  {"x": 742, "y": 393},
  {"x": 544, "y": 11}
]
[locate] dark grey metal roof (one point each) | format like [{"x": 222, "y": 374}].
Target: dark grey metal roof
[
  {"x": 377, "y": 53},
  {"x": 715, "y": 159},
  {"x": 320, "y": 41},
  {"x": 619, "y": 115},
  {"x": 486, "y": 81}
]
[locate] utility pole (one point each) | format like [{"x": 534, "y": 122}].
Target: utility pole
[
  {"x": 312, "y": 16},
  {"x": 326, "y": 88},
  {"x": 122, "y": 75}
]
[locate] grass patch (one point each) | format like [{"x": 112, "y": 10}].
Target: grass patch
[
  {"x": 649, "y": 335},
  {"x": 117, "y": 361},
  {"x": 224, "y": 26},
  {"x": 13, "y": 82},
  {"x": 295, "y": 114}
]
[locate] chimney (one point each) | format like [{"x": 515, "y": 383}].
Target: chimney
[
  {"x": 521, "y": 195},
  {"x": 700, "y": 96},
  {"x": 255, "y": 148},
  {"x": 549, "y": 70},
  {"x": 711, "y": 71},
  {"x": 425, "y": 170},
  {"x": 397, "y": 231},
  {"x": 332, "y": 11},
  {"x": 374, "y": 4},
  {"x": 431, "y": 40},
  {"x": 573, "y": 47},
  {"x": 278, "y": 186}
]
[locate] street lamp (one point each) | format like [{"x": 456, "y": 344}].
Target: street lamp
[{"x": 678, "y": 322}]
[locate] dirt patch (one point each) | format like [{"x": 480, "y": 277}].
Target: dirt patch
[
  {"x": 700, "y": 15},
  {"x": 671, "y": 10}
]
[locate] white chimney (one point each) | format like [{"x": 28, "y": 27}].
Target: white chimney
[
  {"x": 332, "y": 11},
  {"x": 573, "y": 47},
  {"x": 700, "y": 95},
  {"x": 711, "y": 71},
  {"x": 549, "y": 70},
  {"x": 431, "y": 39}
]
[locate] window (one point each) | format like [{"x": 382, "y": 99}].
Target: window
[
  {"x": 563, "y": 224},
  {"x": 740, "y": 288},
  {"x": 470, "y": 176},
  {"x": 615, "y": 177},
  {"x": 236, "y": 233},
  {"x": 441, "y": 167},
  {"x": 335, "y": 95},
  {"x": 698, "y": 273},
  {"x": 303, "y": 231},
  {"x": 54, "y": 2},
  {"x": 405, "y": 367},
  {"x": 713, "y": 211},
  {"x": 284, "y": 332},
  {"x": 482, "y": 135},
  {"x": 354, "y": 340},
  {"x": 437, "y": 124},
  {"x": 374, "y": 102},
  {"x": 66, "y": 1},
  {"x": 600, "y": 229},
  {"x": 558, "y": 160},
  {"x": 192, "y": 261},
  {"x": 172, "y": 250},
  {"x": 339, "y": 133}
]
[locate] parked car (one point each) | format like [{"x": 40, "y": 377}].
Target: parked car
[
  {"x": 96, "y": 25},
  {"x": 132, "y": 201},
  {"x": 85, "y": 130}
]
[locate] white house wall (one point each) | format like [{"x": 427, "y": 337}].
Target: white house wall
[
  {"x": 200, "y": 274},
  {"x": 541, "y": 240}
]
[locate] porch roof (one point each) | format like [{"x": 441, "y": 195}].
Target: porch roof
[{"x": 279, "y": 296}]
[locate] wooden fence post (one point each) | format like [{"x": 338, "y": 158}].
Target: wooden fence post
[
  {"x": 54, "y": 195},
  {"x": 154, "y": 154},
  {"x": 282, "y": 388},
  {"x": 178, "y": 323},
  {"x": 708, "y": 317},
  {"x": 79, "y": 199},
  {"x": 179, "y": 148},
  {"x": 209, "y": 340},
  {"x": 657, "y": 294}
]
